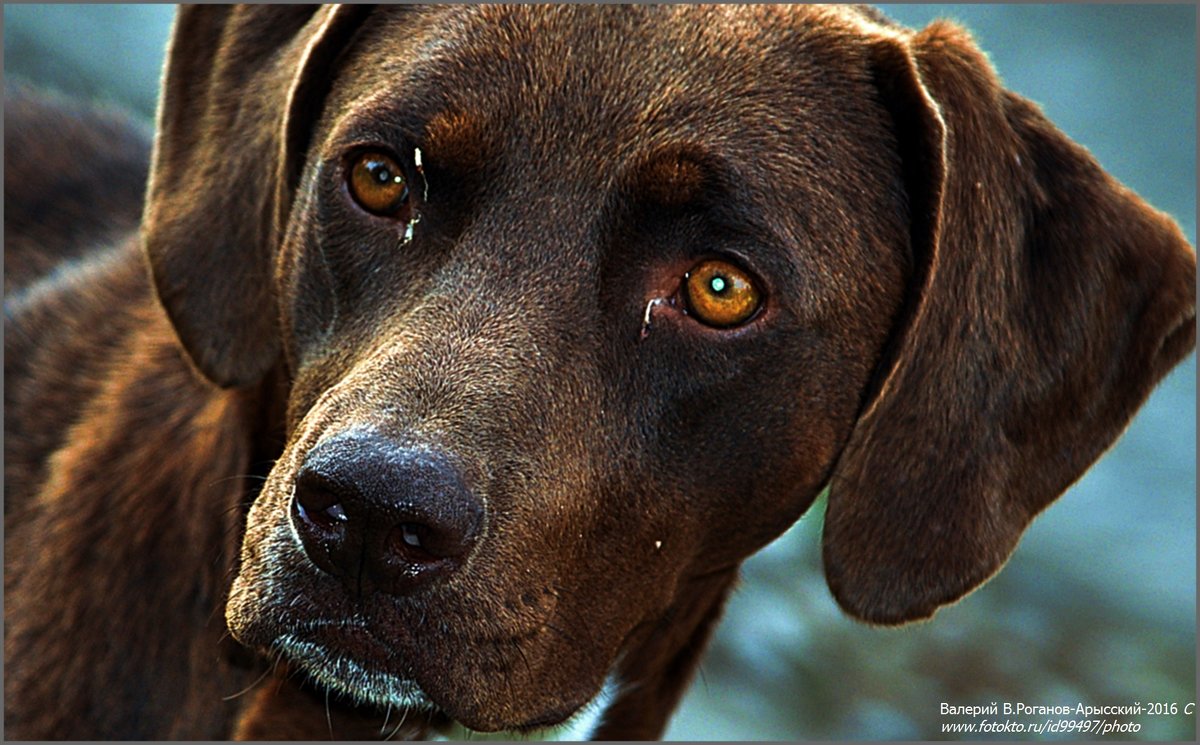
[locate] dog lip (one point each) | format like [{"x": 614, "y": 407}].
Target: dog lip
[{"x": 332, "y": 655}]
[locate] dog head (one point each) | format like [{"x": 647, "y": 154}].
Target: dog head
[{"x": 581, "y": 306}]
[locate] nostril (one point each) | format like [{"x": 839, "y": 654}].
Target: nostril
[
  {"x": 335, "y": 513},
  {"x": 321, "y": 508},
  {"x": 410, "y": 533},
  {"x": 407, "y": 543},
  {"x": 421, "y": 543},
  {"x": 323, "y": 516}
]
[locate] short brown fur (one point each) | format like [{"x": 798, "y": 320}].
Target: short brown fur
[{"x": 961, "y": 311}]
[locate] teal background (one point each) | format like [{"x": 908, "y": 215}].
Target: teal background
[{"x": 1098, "y": 605}]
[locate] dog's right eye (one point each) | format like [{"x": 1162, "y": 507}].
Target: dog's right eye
[{"x": 378, "y": 185}]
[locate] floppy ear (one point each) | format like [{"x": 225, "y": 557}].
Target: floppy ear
[
  {"x": 1047, "y": 301},
  {"x": 242, "y": 88}
]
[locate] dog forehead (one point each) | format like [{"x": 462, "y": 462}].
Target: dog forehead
[{"x": 615, "y": 76}]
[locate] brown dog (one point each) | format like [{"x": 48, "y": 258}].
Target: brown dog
[{"x": 517, "y": 330}]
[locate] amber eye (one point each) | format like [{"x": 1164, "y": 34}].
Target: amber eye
[
  {"x": 377, "y": 184},
  {"x": 721, "y": 295}
]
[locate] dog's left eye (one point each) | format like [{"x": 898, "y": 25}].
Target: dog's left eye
[
  {"x": 720, "y": 294},
  {"x": 377, "y": 183}
]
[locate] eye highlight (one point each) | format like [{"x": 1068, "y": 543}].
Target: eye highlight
[
  {"x": 720, "y": 294},
  {"x": 378, "y": 185}
]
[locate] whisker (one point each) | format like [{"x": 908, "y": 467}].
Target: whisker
[
  {"x": 248, "y": 688},
  {"x": 328, "y": 715},
  {"x": 524, "y": 659},
  {"x": 399, "y": 724},
  {"x": 237, "y": 477},
  {"x": 387, "y": 715}
]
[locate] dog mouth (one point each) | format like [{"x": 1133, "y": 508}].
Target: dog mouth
[
  {"x": 332, "y": 669},
  {"x": 455, "y": 683},
  {"x": 394, "y": 693}
]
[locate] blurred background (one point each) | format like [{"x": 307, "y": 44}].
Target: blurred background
[{"x": 1097, "y": 606}]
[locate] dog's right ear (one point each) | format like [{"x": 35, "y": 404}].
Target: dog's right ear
[
  {"x": 242, "y": 87},
  {"x": 1046, "y": 300}
]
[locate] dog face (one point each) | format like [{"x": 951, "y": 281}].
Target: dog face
[
  {"x": 502, "y": 342},
  {"x": 581, "y": 306}
]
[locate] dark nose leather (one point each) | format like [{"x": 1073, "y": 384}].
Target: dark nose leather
[{"x": 381, "y": 516}]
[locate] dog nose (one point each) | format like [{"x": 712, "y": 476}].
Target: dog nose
[{"x": 380, "y": 516}]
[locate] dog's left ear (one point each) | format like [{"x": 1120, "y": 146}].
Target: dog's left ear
[
  {"x": 242, "y": 88},
  {"x": 1046, "y": 302}
]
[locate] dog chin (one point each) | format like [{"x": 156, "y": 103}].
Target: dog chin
[
  {"x": 578, "y": 727},
  {"x": 340, "y": 674}
]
